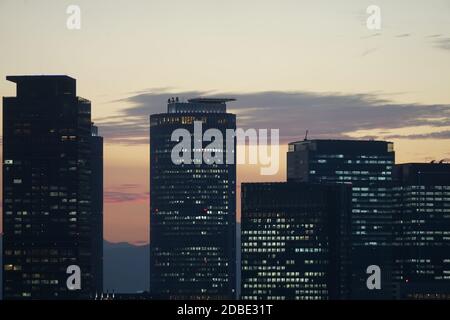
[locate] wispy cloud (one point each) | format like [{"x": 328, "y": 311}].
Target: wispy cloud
[
  {"x": 442, "y": 43},
  {"x": 403, "y": 35},
  {"x": 326, "y": 115},
  {"x": 124, "y": 193},
  {"x": 445, "y": 134},
  {"x": 371, "y": 36},
  {"x": 368, "y": 51}
]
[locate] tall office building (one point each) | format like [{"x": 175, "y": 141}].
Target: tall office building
[
  {"x": 295, "y": 241},
  {"x": 422, "y": 230},
  {"x": 368, "y": 167},
  {"x": 97, "y": 208},
  {"x": 192, "y": 206},
  {"x": 52, "y": 193}
]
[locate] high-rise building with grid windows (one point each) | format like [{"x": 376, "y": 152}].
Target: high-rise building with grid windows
[
  {"x": 52, "y": 191},
  {"x": 368, "y": 167},
  {"x": 192, "y": 206},
  {"x": 295, "y": 241},
  {"x": 422, "y": 231}
]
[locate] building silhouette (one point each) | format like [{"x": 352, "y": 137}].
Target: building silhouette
[
  {"x": 192, "y": 207},
  {"x": 97, "y": 207},
  {"x": 52, "y": 191},
  {"x": 368, "y": 167},
  {"x": 422, "y": 231},
  {"x": 295, "y": 241}
]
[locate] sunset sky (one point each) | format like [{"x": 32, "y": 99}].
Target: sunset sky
[{"x": 291, "y": 64}]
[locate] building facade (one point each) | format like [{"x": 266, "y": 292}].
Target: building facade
[
  {"x": 295, "y": 241},
  {"x": 97, "y": 207},
  {"x": 192, "y": 205},
  {"x": 368, "y": 167},
  {"x": 52, "y": 193},
  {"x": 422, "y": 230}
]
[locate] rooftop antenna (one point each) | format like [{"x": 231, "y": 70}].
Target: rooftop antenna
[{"x": 306, "y": 136}]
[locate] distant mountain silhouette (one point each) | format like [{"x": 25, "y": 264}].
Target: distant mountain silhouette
[{"x": 126, "y": 268}]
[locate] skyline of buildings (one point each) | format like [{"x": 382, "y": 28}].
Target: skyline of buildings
[
  {"x": 341, "y": 209},
  {"x": 411, "y": 248},
  {"x": 345, "y": 80}
]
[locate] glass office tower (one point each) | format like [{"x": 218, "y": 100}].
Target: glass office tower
[
  {"x": 295, "y": 241},
  {"x": 192, "y": 207},
  {"x": 368, "y": 167},
  {"x": 52, "y": 193},
  {"x": 422, "y": 230}
]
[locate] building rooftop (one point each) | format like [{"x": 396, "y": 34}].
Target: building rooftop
[
  {"x": 22, "y": 78},
  {"x": 211, "y": 100},
  {"x": 43, "y": 85},
  {"x": 198, "y": 105},
  {"x": 338, "y": 141}
]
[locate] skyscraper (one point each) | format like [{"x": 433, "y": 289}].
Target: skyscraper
[
  {"x": 52, "y": 193},
  {"x": 295, "y": 241},
  {"x": 192, "y": 206},
  {"x": 422, "y": 230},
  {"x": 367, "y": 166},
  {"x": 97, "y": 207}
]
